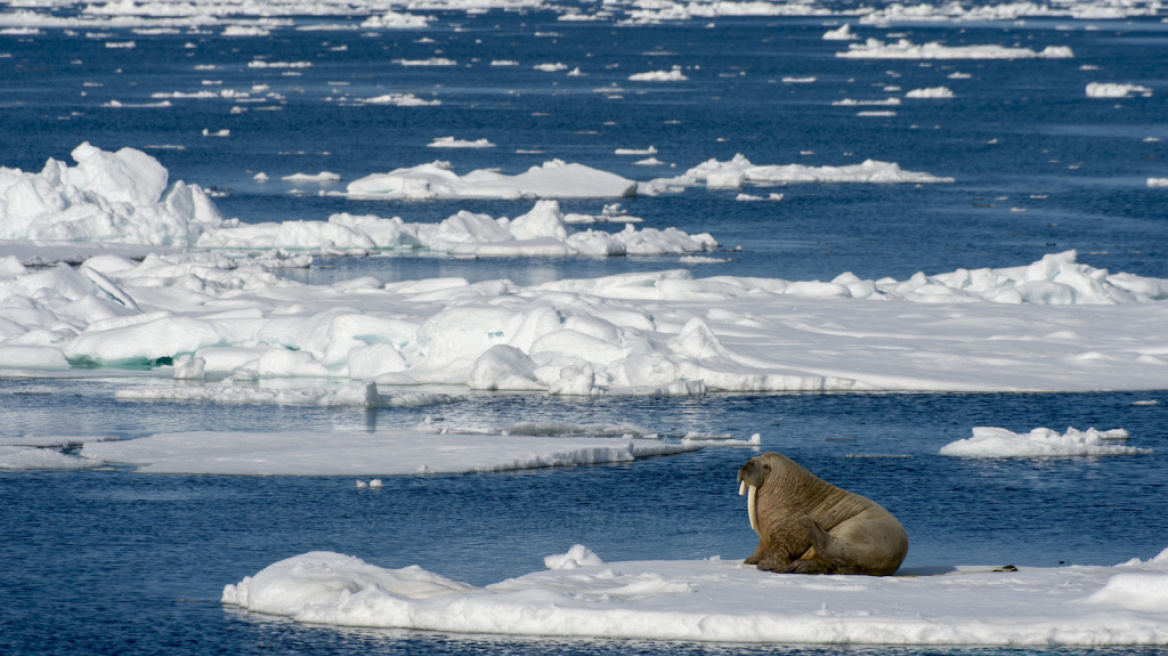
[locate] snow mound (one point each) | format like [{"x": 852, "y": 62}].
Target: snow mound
[
  {"x": 724, "y": 601},
  {"x": 120, "y": 196},
  {"x": 988, "y": 442}
]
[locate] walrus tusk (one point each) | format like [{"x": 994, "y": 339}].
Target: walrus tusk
[
  {"x": 750, "y": 503},
  {"x": 741, "y": 488}
]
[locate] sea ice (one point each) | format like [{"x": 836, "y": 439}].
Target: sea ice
[
  {"x": 930, "y": 92},
  {"x": 672, "y": 75},
  {"x": 398, "y": 452},
  {"x": 990, "y": 442},
  {"x": 1054, "y": 325},
  {"x": 554, "y": 179},
  {"x": 581, "y": 595},
  {"x": 451, "y": 142},
  {"x": 904, "y": 49},
  {"x": 739, "y": 171},
  {"x": 1112, "y": 90},
  {"x": 121, "y": 196}
]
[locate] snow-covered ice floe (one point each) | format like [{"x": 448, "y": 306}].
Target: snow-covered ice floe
[
  {"x": 543, "y": 231},
  {"x": 740, "y": 171},
  {"x": 580, "y": 595},
  {"x": 904, "y": 49},
  {"x": 1114, "y": 90},
  {"x": 1054, "y": 325},
  {"x": 122, "y": 197},
  {"x": 990, "y": 442},
  {"x": 554, "y": 179},
  {"x": 399, "y": 452}
]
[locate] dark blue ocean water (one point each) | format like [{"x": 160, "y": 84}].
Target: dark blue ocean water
[{"x": 114, "y": 562}]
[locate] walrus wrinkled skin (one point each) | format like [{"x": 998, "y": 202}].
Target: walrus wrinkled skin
[{"x": 806, "y": 525}]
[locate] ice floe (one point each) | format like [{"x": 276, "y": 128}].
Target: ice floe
[
  {"x": 672, "y": 75},
  {"x": 715, "y": 600},
  {"x": 904, "y": 49},
  {"x": 990, "y": 442},
  {"x": 554, "y": 179},
  {"x": 930, "y": 92},
  {"x": 739, "y": 171},
  {"x": 451, "y": 142},
  {"x": 398, "y": 452},
  {"x": 1054, "y": 325},
  {"x": 122, "y": 196},
  {"x": 1113, "y": 90}
]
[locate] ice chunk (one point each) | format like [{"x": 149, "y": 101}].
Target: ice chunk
[{"x": 990, "y": 442}]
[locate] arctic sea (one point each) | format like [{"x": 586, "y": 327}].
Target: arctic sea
[{"x": 111, "y": 561}]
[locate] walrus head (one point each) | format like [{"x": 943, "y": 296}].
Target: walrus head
[{"x": 751, "y": 477}]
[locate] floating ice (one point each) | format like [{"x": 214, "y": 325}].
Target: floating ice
[
  {"x": 672, "y": 75},
  {"x": 543, "y": 231},
  {"x": 904, "y": 49},
  {"x": 1054, "y": 325},
  {"x": 398, "y": 452},
  {"x": 554, "y": 179},
  {"x": 740, "y": 171},
  {"x": 121, "y": 196},
  {"x": 451, "y": 142},
  {"x": 1112, "y": 90},
  {"x": 401, "y": 100},
  {"x": 323, "y": 176},
  {"x": 724, "y": 601},
  {"x": 930, "y": 92},
  {"x": 841, "y": 33},
  {"x": 1158, "y": 182},
  {"x": 35, "y": 458},
  {"x": 990, "y": 442},
  {"x": 392, "y": 20}
]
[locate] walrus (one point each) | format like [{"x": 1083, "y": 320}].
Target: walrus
[{"x": 806, "y": 525}]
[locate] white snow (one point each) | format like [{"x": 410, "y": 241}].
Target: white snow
[
  {"x": 397, "y": 452},
  {"x": 554, "y": 179},
  {"x": 904, "y": 49},
  {"x": 716, "y": 600},
  {"x": 1113, "y": 90},
  {"x": 988, "y": 442}
]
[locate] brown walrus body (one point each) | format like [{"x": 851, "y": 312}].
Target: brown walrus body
[{"x": 808, "y": 526}]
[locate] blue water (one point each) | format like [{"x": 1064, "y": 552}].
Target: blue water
[{"x": 114, "y": 562}]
